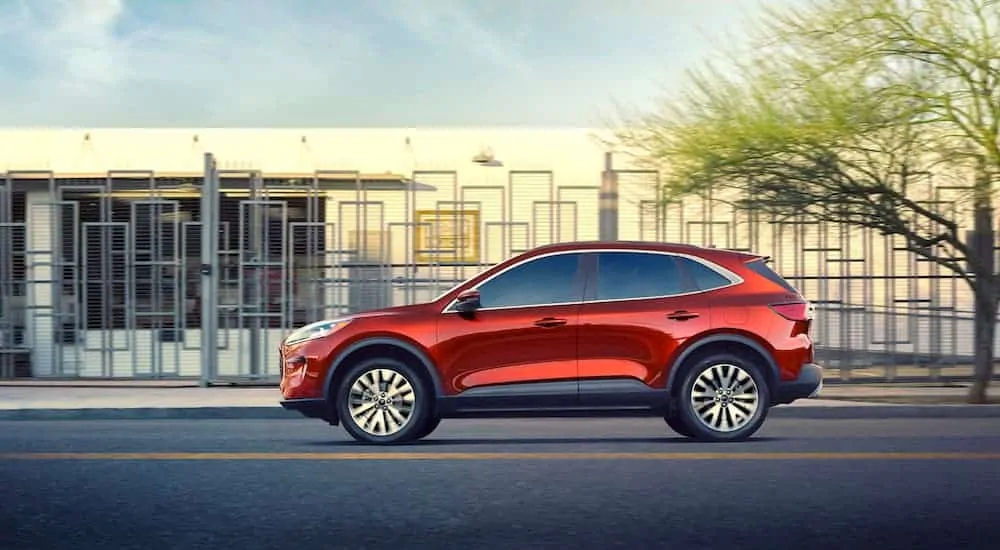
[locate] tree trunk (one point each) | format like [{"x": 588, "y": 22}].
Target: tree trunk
[
  {"x": 985, "y": 334},
  {"x": 985, "y": 288}
]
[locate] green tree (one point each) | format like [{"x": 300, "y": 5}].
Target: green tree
[{"x": 842, "y": 113}]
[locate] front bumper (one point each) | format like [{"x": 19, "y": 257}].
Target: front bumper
[
  {"x": 300, "y": 375},
  {"x": 808, "y": 384},
  {"x": 312, "y": 408}
]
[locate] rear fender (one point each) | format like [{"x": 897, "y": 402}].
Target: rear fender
[{"x": 727, "y": 338}]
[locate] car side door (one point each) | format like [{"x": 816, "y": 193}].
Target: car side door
[
  {"x": 518, "y": 349},
  {"x": 640, "y": 307}
]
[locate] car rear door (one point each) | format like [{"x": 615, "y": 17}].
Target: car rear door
[{"x": 639, "y": 307}]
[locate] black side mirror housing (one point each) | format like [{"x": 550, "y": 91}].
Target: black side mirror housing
[{"x": 467, "y": 301}]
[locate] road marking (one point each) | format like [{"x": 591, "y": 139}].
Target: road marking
[{"x": 504, "y": 456}]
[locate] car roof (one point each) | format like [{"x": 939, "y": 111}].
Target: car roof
[{"x": 681, "y": 248}]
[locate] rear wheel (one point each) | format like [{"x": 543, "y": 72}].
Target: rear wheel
[
  {"x": 677, "y": 425},
  {"x": 384, "y": 401},
  {"x": 724, "y": 397}
]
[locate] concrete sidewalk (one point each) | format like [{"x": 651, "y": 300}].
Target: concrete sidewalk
[
  {"x": 141, "y": 400},
  {"x": 128, "y": 401}
]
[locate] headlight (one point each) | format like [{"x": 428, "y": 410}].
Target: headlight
[{"x": 315, "y": 330}]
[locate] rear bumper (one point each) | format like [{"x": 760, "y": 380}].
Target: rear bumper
[
  {"x": 808, "y": 384},
  {"x": 311, "y": 408}
]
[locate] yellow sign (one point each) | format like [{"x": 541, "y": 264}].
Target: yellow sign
[{"x": 447, "y": 236}]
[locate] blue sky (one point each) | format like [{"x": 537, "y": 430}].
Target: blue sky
[{"x": 335, "y": 63}]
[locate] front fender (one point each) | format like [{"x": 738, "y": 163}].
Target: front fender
[{"x": 410, "y": 348}]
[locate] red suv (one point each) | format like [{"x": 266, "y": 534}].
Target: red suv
[{"x": 708, "y": 339}]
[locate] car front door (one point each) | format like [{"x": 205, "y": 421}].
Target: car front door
[
  {"x": 640, "y": 308},
  {"x": 518, "y": 350}
]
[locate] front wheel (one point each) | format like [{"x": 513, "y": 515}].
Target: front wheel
[
  {"x": 724, "y": 397},
  {"x": 429, "y": 427},
  {"x": 384, "y": 401}
]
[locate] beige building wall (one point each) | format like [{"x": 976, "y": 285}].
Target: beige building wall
[
  {"x": 575, "y": 158},
  {"x": 297, "y": 150}
]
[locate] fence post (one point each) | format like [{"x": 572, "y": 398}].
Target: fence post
[
  {"x": 608, "y": 202},
  {"x": 209, "y": 272}
]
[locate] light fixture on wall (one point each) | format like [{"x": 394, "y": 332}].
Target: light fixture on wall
[{"x": 485, "y": 157}]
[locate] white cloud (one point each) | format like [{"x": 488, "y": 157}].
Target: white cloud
[
  {"x": 471, "y": 26},
  {"x": 77, "y": 42},
  {"x": 315, "y": 62},
  {"x": 82, "y": 61}
]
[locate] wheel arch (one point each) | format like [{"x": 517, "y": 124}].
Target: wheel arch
[
  {"x": 396, "y": 348},
  {"x": 717, "y": 343}
]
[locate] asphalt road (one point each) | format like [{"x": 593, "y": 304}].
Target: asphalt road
[{"x": 930, "y": 483}]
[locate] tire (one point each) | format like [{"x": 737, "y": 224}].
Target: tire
[
  {"x": 714, "y": 414},
  {"x": 382, "y": 426},
  {"x": 429, "y": 427},
  {"x": 677, "y": 425}
]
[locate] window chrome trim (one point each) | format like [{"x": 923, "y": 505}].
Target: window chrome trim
[{"x": 733, "y": 278}]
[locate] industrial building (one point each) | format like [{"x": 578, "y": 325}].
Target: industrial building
[{"x": 103, "y": 250}]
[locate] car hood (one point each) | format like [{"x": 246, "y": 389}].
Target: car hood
[{"x": 395, "y": 310}]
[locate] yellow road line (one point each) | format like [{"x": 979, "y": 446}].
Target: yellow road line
[{"x": 505, "y": 456}]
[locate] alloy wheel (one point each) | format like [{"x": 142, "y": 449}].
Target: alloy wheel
[
  {"x": 725, "y": 397},
  {"x": 381, "y": 401}
]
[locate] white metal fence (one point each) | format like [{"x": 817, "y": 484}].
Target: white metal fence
[{"x": 132, "y": 275}]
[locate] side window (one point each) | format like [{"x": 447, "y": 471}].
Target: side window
[
  {"x": 548, "y": 280},
  {"x": 624, "y": 275},
  {"x": 704, "y": 277}
]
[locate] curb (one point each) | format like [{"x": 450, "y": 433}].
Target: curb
[
  {"x": 151, "y": 413},
  {"x": 879, "y": 412},
  {"x": 842, "y": 412}
]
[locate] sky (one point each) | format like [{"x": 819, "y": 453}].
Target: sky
[{"x": 349, "y": 63}]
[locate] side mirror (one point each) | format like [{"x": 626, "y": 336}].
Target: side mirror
[{"x": 467, "y": 301}]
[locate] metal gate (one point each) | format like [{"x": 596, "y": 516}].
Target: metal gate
[
  {"x": 266, "y": 267},
  {"x": 279, "y": 252},
  {"x": 14, "y": 350},
  {"x": 100, "y": 263}
]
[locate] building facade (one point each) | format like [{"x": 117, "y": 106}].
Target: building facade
[{"x": 104, "y": 236}]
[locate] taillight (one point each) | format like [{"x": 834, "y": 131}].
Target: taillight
[{"x": 794, "y": 311}]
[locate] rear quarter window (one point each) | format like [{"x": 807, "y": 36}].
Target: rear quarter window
[
  {"x": 703, "y": 277},
  {"x": 761, "y": 268}
]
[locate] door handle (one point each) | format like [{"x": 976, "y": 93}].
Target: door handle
[
  {"x": 682, "y": 315},
  {"x": 550, "y": 322}
]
